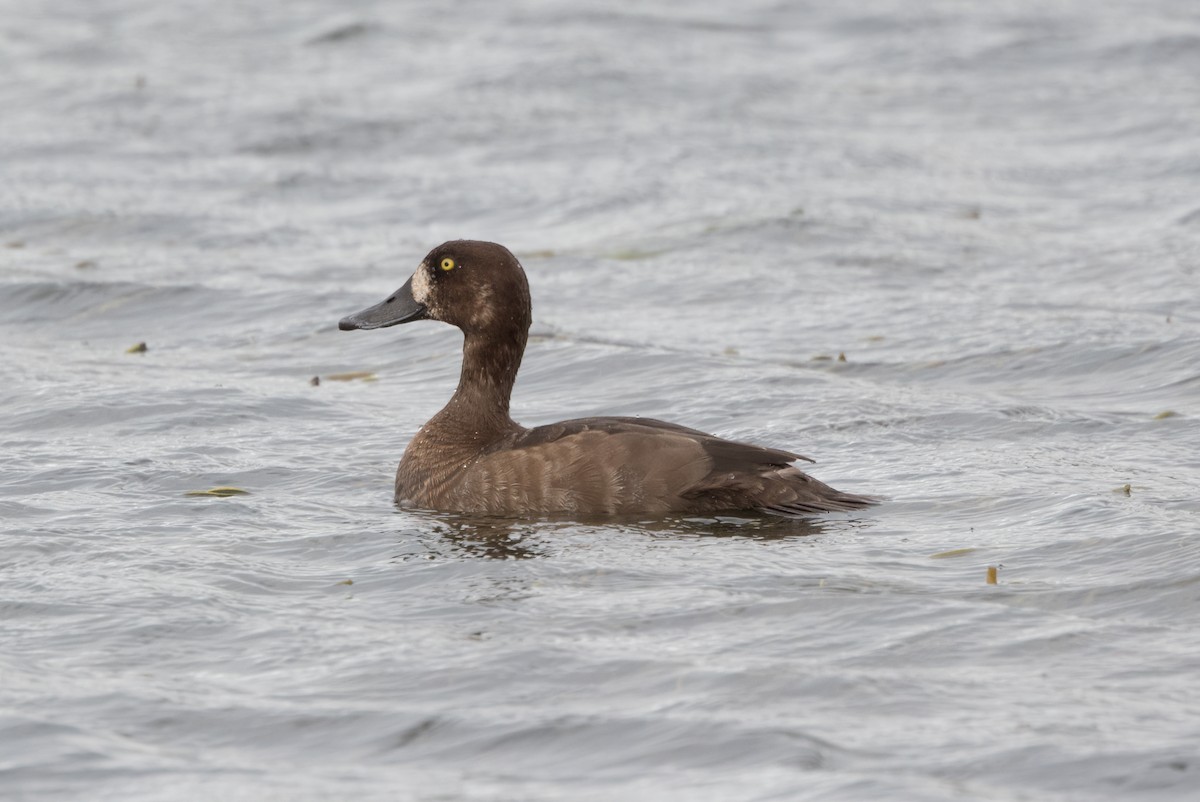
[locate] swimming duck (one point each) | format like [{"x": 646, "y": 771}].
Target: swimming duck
[{"x": 473, "y": 458}]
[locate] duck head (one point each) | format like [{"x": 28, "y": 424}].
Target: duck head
[{"x": 476, "y": 286}]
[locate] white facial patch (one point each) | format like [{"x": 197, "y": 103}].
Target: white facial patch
[{"x": 421, "y": 285}]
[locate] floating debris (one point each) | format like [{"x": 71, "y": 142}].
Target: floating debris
[
  {"x": 1126, "y": 489},
  {"x": 86, "y": 264},
  {"x": 946, "y": 555},
  {"x": 341, "y": 33},
  {"x": 140, "y": 348},
  {"x": 730, "y": 351},
  {"x": 991, "y": 575},
  {"x": 15, "y": 244},
  {"x": 635, "y": 254},
  {"x": 876, "y": 338},
  {"x": 346, "y": 582},
  {"x": 220, "y": 492},
  {"x": 1166, "y": 413},
  {"x": 315, "y": 381},
  {"x": 821, "y": 358},
  {"x": 363, "y": 375},
  {"x": 841, "y": 356}
]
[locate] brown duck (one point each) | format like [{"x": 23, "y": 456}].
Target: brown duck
[{"x": 473, "y": 458}]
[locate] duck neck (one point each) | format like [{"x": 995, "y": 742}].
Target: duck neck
[{"x": 489, "y": 370}]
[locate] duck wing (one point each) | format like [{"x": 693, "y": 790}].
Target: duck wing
[
  {"x": 717, "y": 447},
  {"x": 617, "y": 464}
]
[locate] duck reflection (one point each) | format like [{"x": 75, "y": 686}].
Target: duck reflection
[
  {"x": 492, "y": 539},
  {"x": 515, "y": 539}
]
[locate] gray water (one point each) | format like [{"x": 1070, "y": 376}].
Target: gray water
[{"x": 991, "y": 210}]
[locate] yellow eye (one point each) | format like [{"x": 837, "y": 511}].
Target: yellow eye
[{"x": 447, "y": 263}]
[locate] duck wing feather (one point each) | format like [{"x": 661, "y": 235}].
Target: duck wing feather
[{"x": 618, "y": 464}]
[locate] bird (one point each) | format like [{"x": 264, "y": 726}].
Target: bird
[{"x": 473, "y": 458}]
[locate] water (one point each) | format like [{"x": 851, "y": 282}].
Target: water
[{"x": 990, "y": 211}]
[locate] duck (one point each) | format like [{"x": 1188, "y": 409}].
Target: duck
[{"x": 473, "y": 458}]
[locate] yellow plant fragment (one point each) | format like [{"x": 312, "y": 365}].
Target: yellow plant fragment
[
  {"x": 364, "y": 375},
  {"x": 222, "y": 492},
  {"x": 945, "y": 555}
]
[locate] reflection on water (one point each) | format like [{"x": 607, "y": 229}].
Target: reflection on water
[
  {"x": 511, "y": 539},
  {"x": 493, "y": 539}
]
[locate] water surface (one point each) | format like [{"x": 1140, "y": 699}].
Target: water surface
[{"x": 990, "y": 212}]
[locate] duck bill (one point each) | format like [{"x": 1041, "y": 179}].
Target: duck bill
[{"x": 400, "y": 307}]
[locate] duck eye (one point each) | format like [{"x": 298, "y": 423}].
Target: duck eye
[{"x": 447, "y": 264}]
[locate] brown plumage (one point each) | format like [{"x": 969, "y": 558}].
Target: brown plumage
[{"x": 472, "y": 457}]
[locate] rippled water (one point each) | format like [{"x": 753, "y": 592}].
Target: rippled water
[{"x": 990, "y": 211}]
